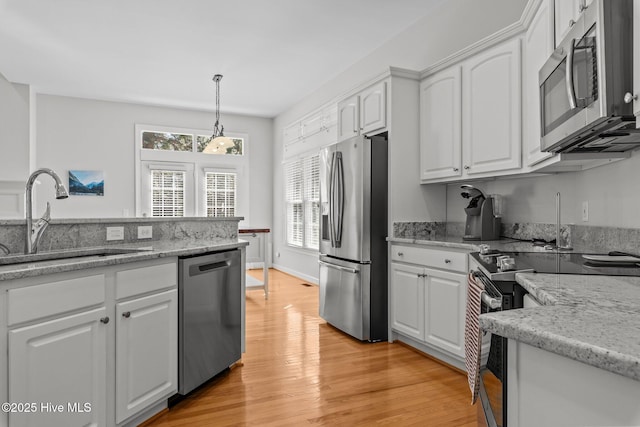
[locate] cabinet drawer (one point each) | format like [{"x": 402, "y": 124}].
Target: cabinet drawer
[
  {"x": 141, "y": 280},
  {"x": 435, "y": 258},
  {"x": 49, "y": 299}
]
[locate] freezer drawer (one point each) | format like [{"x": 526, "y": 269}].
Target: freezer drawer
[{"x": 345, "y": 296}]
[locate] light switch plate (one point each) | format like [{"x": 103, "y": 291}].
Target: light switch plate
[
  {"x": 145, "y": 232},
  {"x": 115, "y": 233}
]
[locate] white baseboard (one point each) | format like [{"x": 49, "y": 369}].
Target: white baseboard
[{"x": 310, "y": 279}]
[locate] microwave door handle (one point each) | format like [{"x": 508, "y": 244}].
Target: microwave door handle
[{"x": 571, "y": 90}]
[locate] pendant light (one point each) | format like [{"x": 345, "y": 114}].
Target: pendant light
[{"x": 218, "y": 143}]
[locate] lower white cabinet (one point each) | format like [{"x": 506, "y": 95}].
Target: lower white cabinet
[
  {"x": 146, "y": 352},
  {"x": 59, "y": 367},
  {"x": 72, "y": 338},
  {"x": 428, "y": 298}
]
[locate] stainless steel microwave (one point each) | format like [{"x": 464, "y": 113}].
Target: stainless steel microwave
[{"x": 586, "y": 84}]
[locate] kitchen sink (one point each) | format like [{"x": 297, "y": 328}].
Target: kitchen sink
[{"x": 75, "y": 253}]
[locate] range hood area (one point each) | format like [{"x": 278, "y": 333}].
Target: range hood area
[{"x": 609, "y": 135}]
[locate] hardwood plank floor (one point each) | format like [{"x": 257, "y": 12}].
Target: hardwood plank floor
[{"x": 300, "y": 371}]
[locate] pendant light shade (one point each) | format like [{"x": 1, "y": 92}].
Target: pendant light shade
[{"x": 219, "y": 143}]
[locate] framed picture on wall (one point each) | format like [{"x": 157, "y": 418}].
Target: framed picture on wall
[{"x": 86, "y": 183}]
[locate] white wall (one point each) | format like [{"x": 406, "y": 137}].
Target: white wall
[
  {"x": 454, "y": 25},
  {"x": 14, "y": 130},
  {"x": 611, "y": 190},
  {"x": 83, "y": 134}
]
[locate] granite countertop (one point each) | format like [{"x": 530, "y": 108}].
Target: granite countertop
[
  {"x": 456, "y": 242},
  {"x": 591, "y": 319},
  {"x": 152, "y": 250}
]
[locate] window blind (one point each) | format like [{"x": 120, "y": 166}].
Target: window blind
[
  {"x": 302, "y": 194},
  {"x": 220, "y": 188},
  {"x": 167, "y": 193}
]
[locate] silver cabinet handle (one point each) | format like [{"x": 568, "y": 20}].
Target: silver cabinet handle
[
  {"x": 492, "y": 303},
  {"x": 583, "y": 6},
  {"x": 456, "y": 169},
  {"x": 339, "y": 267},
  {"x": 422, "y": 275},
  {"x": 572, "y": 22},
  {"x": 447, "y": 261},
  {"x": 400, "y": 253},
  {"x": 105, "y": 320},
  {"x": 254, "y": 235},
  {"x": 628, "y": 97},
  {"x": 467, "y": 167},
  {"x": 126, "y": 314}
]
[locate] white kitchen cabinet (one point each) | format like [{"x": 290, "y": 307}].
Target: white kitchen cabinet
[
  {"x": 60, "y": 362},
  {"x": 566, "y": 13},
  {"x": 428, "y": 289},
  {"x": 363, "y": 113},
  {"x": 146, "y": 351},
  {"x": 441, "y": 125},
  {"x": 407, "y": 299},
  {"x": 257, "y": 256},
  {"x": 314, "y": 130},
  {"x": 636, "y": 62},
  {"x": 445, "y": 298},
  {"x": 538, "y": 46},
  {"x": 491, "y": 99},
  {"x": 470, "y": 121}
]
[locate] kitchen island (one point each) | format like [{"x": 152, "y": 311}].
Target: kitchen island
[
  {"x": 575, "y": 359},
  {"x": 95, "y": 336}
]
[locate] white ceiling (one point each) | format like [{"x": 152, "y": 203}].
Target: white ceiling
[{"x": 165, "y": 52}]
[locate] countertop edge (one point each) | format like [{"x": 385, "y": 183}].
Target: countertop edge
[{"x": 73, "y": 264}]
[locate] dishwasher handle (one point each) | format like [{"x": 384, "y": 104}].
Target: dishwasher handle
[{"x": 195, "y": 270}]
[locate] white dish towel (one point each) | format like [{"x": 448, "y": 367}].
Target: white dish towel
[{"x": 473, "y": 335}]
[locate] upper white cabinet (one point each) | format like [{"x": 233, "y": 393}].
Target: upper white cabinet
[
  {"x": 491, "y": 131},
  {"x": 538, "y": 46},
  {"x": 314, "y": 130},
  {"x": 441, "y": 125},
  {"x": 363, "y": 113},
  {"x": 636, "y": 62},
  {"x": 566, "y": 14}
]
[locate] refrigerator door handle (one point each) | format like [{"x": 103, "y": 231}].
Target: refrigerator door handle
[
  {"x": 339, "y": 267},
  {"x": 331, "y": 200},
  {"x": 340, "y": 207}
]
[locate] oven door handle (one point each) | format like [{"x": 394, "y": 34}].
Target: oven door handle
[{"x": 492, "y": 303}]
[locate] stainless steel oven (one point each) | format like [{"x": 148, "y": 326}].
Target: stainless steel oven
[{"x": 586, "y": 84}]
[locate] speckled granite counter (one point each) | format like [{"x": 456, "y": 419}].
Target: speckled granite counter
[
  {"x": 456, "y": 242},
  {"x": 153, "y": 249},
  {"x": 591, "y": 319}
]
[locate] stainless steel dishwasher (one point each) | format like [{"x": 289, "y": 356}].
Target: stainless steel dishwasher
[{"x": 210, "y": 295}]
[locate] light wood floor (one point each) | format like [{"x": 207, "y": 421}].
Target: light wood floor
[{"x": 300, "y": 371}]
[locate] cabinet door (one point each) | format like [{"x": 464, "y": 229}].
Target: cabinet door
[
  {"x": 292, "y": 133},
  {"x": 538, "y": 45},
  {"x": 440, "y": 125},
  {"x": 636, "y": 62},
  {"x": 312, "y": 124},
  {"x": 407, "y": 299},
  {"x": 491, "y": 98},
  {"x": 146, "y": 352},
  {"x": 348, "y": 118},
  {"x": 566, "y": 13},
  {"x": 373, "y": 108},
  {"x": 444, "y": 301},
  {"x": 61, "y": 366}
]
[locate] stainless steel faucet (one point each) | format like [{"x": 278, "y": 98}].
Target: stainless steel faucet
[{"x": 35, "y": 231}]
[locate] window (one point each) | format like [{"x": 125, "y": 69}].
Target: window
[
  {"x": 167, "y": 193},
  {"x": 220, "y": 193},
  {"x": 176, "y": 177},
  {"x": 302, "y": 193}
]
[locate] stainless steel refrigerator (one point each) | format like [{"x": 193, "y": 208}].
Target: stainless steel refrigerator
[{"x": 353, "y": 230}]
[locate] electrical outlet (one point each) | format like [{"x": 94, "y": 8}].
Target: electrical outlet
[
  {"x": 145, "y": 232},
  {"x": 585, "y": 211},
  {"x": 115, "y": 233}
]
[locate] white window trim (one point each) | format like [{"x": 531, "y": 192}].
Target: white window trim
[
  {"x": 145, "y": 185},
  {"x": 197, "y": 162}
]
